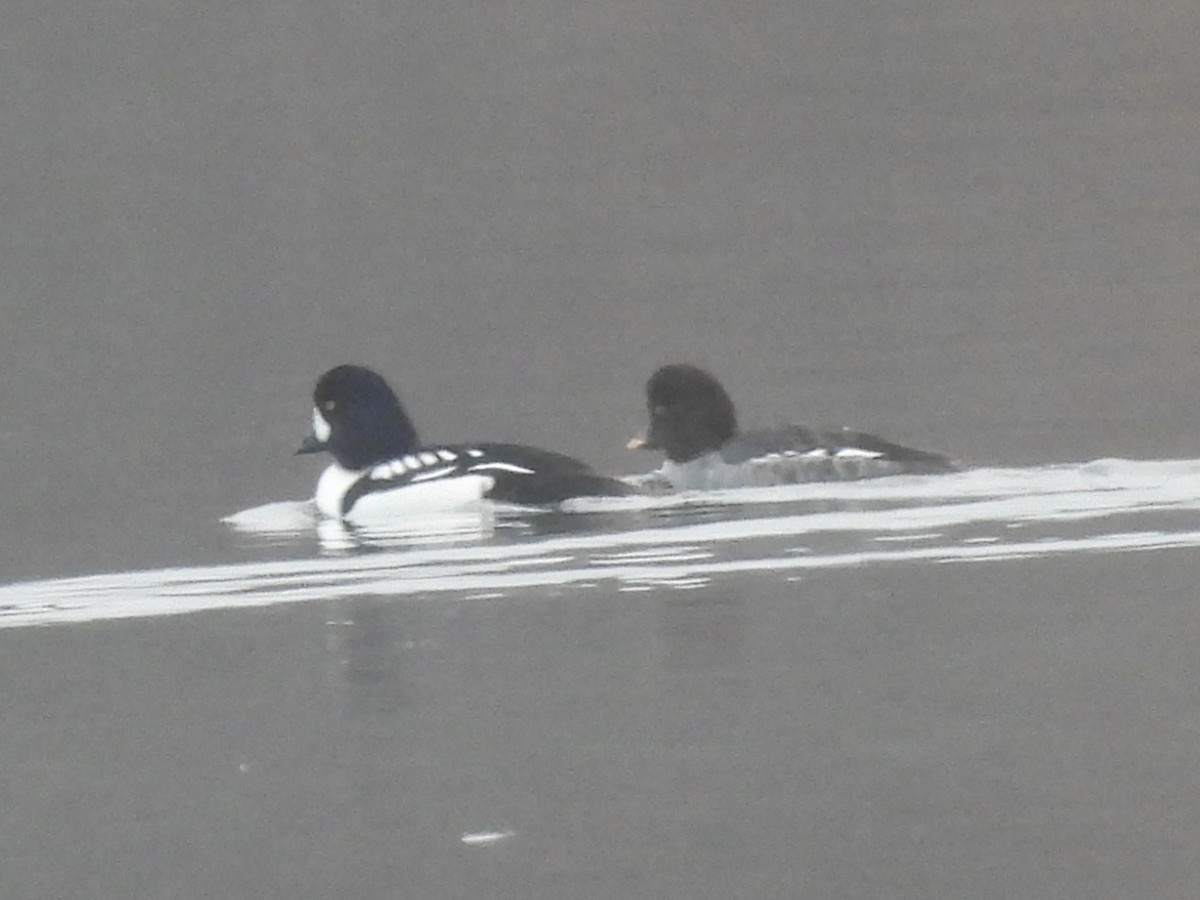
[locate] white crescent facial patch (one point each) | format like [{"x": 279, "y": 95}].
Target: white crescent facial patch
[{"x": 320, "y": 427}]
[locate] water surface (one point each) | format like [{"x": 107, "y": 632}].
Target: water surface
[{"x": 966, "y": 227}]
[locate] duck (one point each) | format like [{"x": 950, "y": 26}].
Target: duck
[
  {"x": 381, "y": 467},
  {"x": 694, "y": 424}
]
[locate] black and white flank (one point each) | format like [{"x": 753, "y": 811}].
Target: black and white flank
[
  {"x": 693, "y": 422},
  {"x": 380, "y": 467}
]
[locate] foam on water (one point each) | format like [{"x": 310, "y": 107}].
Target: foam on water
[{"x": 677, "y": 542}]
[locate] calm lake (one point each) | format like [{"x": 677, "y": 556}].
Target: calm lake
[{"x": 966, "y": 228}]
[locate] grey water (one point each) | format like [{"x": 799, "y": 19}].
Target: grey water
[{"x": 968, "y": 228}]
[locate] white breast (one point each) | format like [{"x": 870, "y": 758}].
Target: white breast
[{"x": 332, "y": 487}]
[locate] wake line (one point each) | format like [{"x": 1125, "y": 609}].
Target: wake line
[
  {"x": 931, "y": 512},
  {"x": 144, "y": 597}
]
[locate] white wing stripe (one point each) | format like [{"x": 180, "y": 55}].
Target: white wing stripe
[
  {"x": 856, "y": 453},
  {"x": 433, "y": 473},
  {"x": 500, "y": 467}
]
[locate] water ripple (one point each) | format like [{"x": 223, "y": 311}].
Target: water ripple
[{"x": 675, "y": 543}]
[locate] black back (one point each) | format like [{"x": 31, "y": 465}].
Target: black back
[
  {"x": 557, "y": 477},
  {"x": 522, "y": 475}
]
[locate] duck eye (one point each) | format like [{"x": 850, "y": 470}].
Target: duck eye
[{"x": 328, "y": 405}]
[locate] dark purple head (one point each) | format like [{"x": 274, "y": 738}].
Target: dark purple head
[{"x": 358, "y": 418}]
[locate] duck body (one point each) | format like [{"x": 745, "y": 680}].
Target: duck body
[
  {"x": 381, "y": 468},
  {"x": 693, "y": 422}
]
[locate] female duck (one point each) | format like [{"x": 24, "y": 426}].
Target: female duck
[{"x": 692, "y": 421}]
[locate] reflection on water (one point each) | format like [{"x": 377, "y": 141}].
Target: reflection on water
[
  {"x": 369, "y": 652},
  {"x": 676, "y": 542}
]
